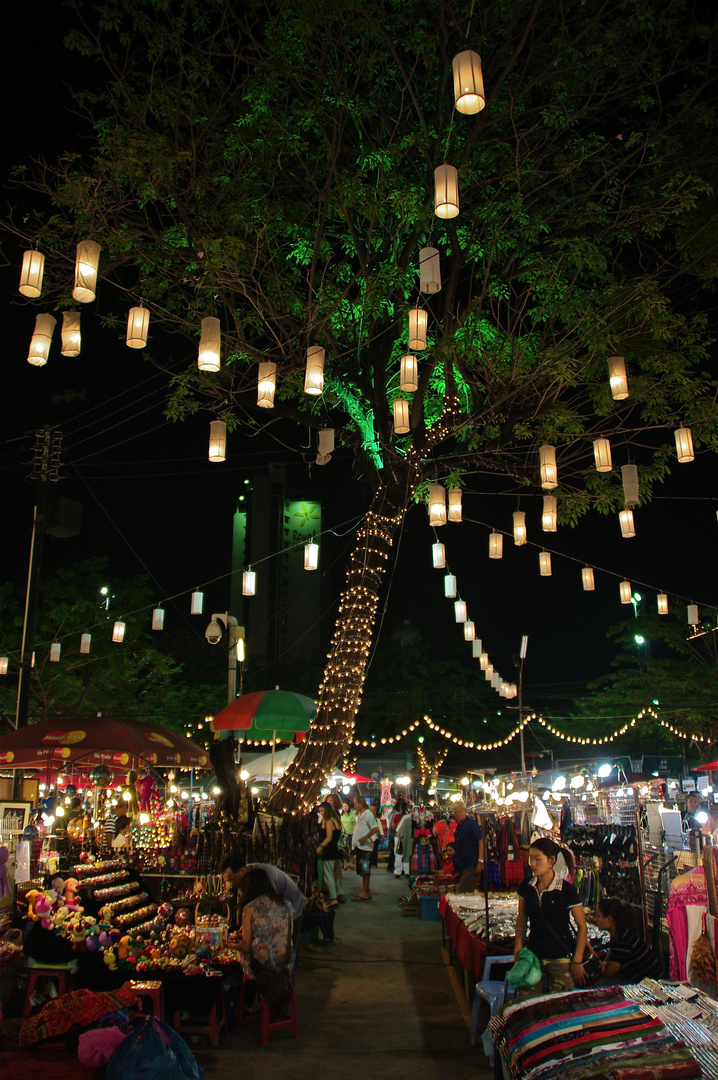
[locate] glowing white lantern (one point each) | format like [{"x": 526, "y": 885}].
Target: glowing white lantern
[
  {"x": 196, "y": 602},
  {"x": 87, "y": 259},
  {"x": 477, "y": 647},
  {"x": 210, "y": 345},
  {"x": 85, "y": 641},
  {"x": 488, "y": 672},
  {"x": 217, "y": 440},
  {"x": 438, "y": 555},
  {"x": 429, "y": 270},
  {"x": 314, "y": 374},
  {"x": 311, "y": 556},
  {"x": 446, "y": 191},
  {"x": 158, "y": 618},
  {"x": 469, "y": 630},
  {"x": 549, "y": 517},
  {"x": 455, "y": 513},
  {"x": 33, "y": 267},
  {"x": 496, "y": 545},
  {"x": 449, "y": 586},
  {"x": 628, "y": 527},
  {"x": 460, "y": 611},
  {"x": 3, "y": 665},
  {"x": 684, "y": 445},
  {"x": 519, "y": 528},
  {"x": 602, "y": 455},
  {"x": 266, "y": 384},
  {"x": 625, "y": 592},
  {"x": 437, "y": 505},
  {"x": 692, "y": 610},
  {"x": 417, "y": 328},
  {"x": 70, "y": 338},
  {"x": 138, "y": 322},
  {"x": 662, "y": 601},
  {"x": 547, "y": 467},
  {"x": 617, "y": 377},
  {"x": 249, "y": 583},
  {"x": 408, "y": 374},
  {"x": 629, "y": 474},
  {"x": 325, "y": 442},
  {"x": 55, "y": 650},
  {"x": 587, "y": 579},
  {"x": 41, "y": 340},
  {"x": 401, "y": 416},
  {"x": 469, "y": 94},
  {"x": 118, "y": 631},
  {"x": 483, "y": 660},
  {"x": 495, "y": 679},
  {"x": 545, "y": 563}
]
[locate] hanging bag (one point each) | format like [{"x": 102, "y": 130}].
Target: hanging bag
[{"x": 343, "y": 846}]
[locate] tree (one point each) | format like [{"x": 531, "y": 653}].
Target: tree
[{"x": 272, "y": 165}]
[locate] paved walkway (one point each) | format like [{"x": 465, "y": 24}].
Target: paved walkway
[{"x": 381, "y": 1002}]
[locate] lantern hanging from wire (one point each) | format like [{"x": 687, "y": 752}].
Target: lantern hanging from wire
[
  {"x": 455, "y": 511},
  {"x": 547, "y": 467},
  {"x": 87, "y": 260},
  {"x": 602, "y": 455},
  {"x": 469, "y": 630},
  {"x": 3, "y": 665},
  {"x": 628, "y": 525},
  {"x": 418, "y": 319},
  {"x": 311, "y": 556},
  {"x": 33, "y": 268},
  {"x": 41, "y": 340},
  {"x": 545, "y": 563},
  {"x": 519, "y": 528},
  {"x": 449, "y": 586},
  {"x": 249, "y": 583},
  {"x": 625, "y": 592},
  {"x": 692, "y": 612},
  {"x": 210, "y": 345},
  {"x": 477, "y": 647},
  {"x": 488, "y": 672},
  {"x": 495, "y": 680},
  {"x": 684, "y": 445},
  {"x": 662, "y": 603},
  {"x": 118, "y": 631},
  {"x": 217, "y": 440},
  {"x": 617, "y": 378},
  {"x": 429, "y": 270},
  {"x": 401, "y": 416},
  {"x": 469, "y": 97},
  {"x": 587, "y": 579},
  {"x": 549, "y": 517},
  {"x": 55, "y": 650},
  {"x": 85, "y": 642},
  {"x": 196, "y": 602},
  {"x": 408, "y": 374},
  {"x": 446, "y": 191},
  {"x": 314, "y": 374},
  {"x": 71, "y": 339},
  {"x": 138, "y": 323},
  {"x": 496, "y": 545},
  {"x": 438, "y": 556},
  {"x": 629, "y": 474},
  {"x": 158, "y": 618},
  {"x": 325, "y": 441},
  {"x": 266, "y": 384},
  {"x": 437, "y": 505},
  {"x": 460, "y": 613},
  {"x": 483, "y": 661}
]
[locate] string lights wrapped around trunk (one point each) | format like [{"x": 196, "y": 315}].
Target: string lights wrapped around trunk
[
  {"x": 70, "y": 335},
  {"x": 33, "y": 268}
]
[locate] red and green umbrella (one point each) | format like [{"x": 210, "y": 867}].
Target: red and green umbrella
[{"x": 280, "y": 715}]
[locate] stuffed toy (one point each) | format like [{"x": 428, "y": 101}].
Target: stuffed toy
[
  {"x": 31, "y": 900},
  {"x": 71, "y": 894},
  {"x": 123, "y": 947},
  {"x": 110, "y": 959},
  {"x": 133, "y": 807},
  {"x": 146, "y": 788},
  {"x": 43, "y": 909}
]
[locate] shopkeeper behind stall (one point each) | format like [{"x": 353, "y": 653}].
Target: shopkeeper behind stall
[
  {"x": 629, "y": 960},
  {"x": 469, "y": 845}
]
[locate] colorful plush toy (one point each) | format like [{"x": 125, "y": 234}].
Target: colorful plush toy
[
  {"x": 110, "y": 959},
  {"x": 43, "y": 910},
  {"x": 146, "y": 788},
  {"x": 133, "y": 807},
  {"x": 70, "y": 891},
  {"x": 31, "y": 900}
]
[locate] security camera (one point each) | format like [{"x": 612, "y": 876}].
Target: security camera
[{"x": 213, "y": 633}]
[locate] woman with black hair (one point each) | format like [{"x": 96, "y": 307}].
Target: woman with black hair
[
  {"x": 547, "y": 903},
  {"x": 629, "y": 959},
  {"x": 266, "y": 923},
  {"x": 328, "y": 853}
]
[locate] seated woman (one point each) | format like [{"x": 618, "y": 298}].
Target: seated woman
[
  {"x": 266, "y": 924},
  {"x": 629, "y": 959}
]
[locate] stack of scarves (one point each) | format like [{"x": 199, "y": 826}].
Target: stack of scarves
[{"x": 588, "y": 1034}]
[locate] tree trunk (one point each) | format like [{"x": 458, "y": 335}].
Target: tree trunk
[{"x": 330, "y": 732}]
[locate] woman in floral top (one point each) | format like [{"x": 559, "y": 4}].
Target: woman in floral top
[{"x": 266, "y": 923}]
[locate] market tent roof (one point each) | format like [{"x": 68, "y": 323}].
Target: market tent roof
[
  {"x": 261, "y": 767},
  {"x": 705, "y": 768}
]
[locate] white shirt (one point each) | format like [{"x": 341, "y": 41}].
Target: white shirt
[{"x": 362, "y": 827}]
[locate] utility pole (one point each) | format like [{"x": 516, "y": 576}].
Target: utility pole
[{"x": 522, "y": 655}]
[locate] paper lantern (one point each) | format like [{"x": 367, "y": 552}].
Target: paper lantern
[
  {"x": 325, "y": 441},
  {"x": 692, "y": 611},
  {"x": 477, "y": 648},
  {"x": 85, "y": 641},
  {"x": 41, "y": 340},
  {"x": 266, "y": 384},
  {"x": 437, "y": 505},
  {"x": 217, "y": 440},
  {"x": 210, "y": 345},
  {"x": 519, "y": 528},
  {"x": 449, "y": 586},
  {"x": 314, "y": 374},
  {"x": 446, "y": 191},
  {"x": 602, "y": 455},
  {"x": 469, "y": 95},
  {"x": 628, "y": 527},
  {"x": 118, "y": 631},
  {"x": 547, "y": 467},
  {"x": 408, "y": 374},
  {"x": 3, "y": 665},
  {"x": 469, "y": 630},
  {"x": 587, "y": 579},
  {"x": 483, "y": 660},
  {"x": 625, "y": 592},
  {"x": 158, "y": 618},
  {"x": 545, "y": 563},
  {"x": 55, "y": 650},
  {"x": 429, "y": 270},
  {"x": 496, "y": 545},
  {"x": 629, "y": 474},
  {"x": 401, "y": 416},
  {"x": 87, "y": 259},
  {"x": 311, "y": 556},
  {"x": 33, "y": 267},
  {"x": 138, "y": 322},
  {"x": 455, "y": 513},
  {"x": 488, "y": 672},
  {"x": 460, "y": 611},
  {"x": 495, "y": 679},
  {"x": 438, "y": 556},
  {"x": 70, "y": 338},
  {"x": 549, "y": 517},
  {"x": 617, "y": 377},
  {"x": 249, "y": 583},
  {"x": 196, "y": 602},
  {"x": 662, "y": 602},
  {"x": 684, "y": 445},
  {"x": 417, "y": 328}
]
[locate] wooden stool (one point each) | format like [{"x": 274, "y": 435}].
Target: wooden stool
[
  {"x": 210, "y": 1025},
  {"x": 152, "y": 991},
  {"x": 59, "y": 972},
  {"x": 263, "y": 1019}
]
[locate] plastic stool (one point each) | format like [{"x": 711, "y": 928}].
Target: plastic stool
[
  {"x": 263, "y": 1018},
  {"x": 210, "y": 1025},
  {"x": 494, "y": 993},
  {"x": 150, "y": 990},
  {"x": 61, "y": 973}
]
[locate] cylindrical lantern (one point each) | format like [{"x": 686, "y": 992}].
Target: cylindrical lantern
[
  {"x": 314, "y": 374},
  {"x": 626, "y": 592},
  {"x": 488, "y": 672},
  {"x": 55, "y": 650},
  {"x": 85, "y": 641},
  {"x": 446, "y": 191},
  {"x": 158, "y": 618},
  {"x": 249, "y": 583},
  {"x": 496, "y": 545},
  {"x": 210, "y": 345},
  {"x": 325, "y": 441},
  {"x": 118, "y": 631},
  {"x": 483, "y": 660},
  {"x": 602, "y": 455},
  {"x": 545, "y": 563},
  {"x": 617, "y": 377},
  {"x": 469, "y": 95},
  {"x": 196, "y": 602},
  {"x": 87, "y": 259},
  {"x": 629, "y": 474},
  {"x": 429, "y": 270},
  {"x": 455, "y": 504},
  {"x": 519, "y": 528},
  {"x": 662, "y": 601},
  {"x": 495, "y": 679},
  {"x": 70, "y": 333},
  {"x": 549, "y": 517},
  {"x": 138, "y": 322},
  {"x": 469, "y": 630},
  {"x": 587, "y": 579},
  {"x": 266, "y": 384},
  {"x": 692, "y": 614},
  {"x": 33, "y": 267},
  {"x": 437, "y": 505},
  {"x": 628, "y": 527},
  {"x": 311, "y": 556},
  {"x": 3, "y": 665},
  {"x": 401, "y": 416},
  {"x": 477, "y": 647},
  {"x": 408, "y": 374},
  {"x": 41, "y": 340},
  {"x": 438, "y": 556},
  {"x": 684, "y": 444},
  {"x": 217, "y": 440},
  {"x": 417, "y": 328},
  {"x": 449, "y": 586},
  {"x": 547, "y": 467},
  {"x": 460, "y": 611}
]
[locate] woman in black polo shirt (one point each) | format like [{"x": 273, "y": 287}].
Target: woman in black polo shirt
[
  {"x": 629, "y": 960},
  {"x": 546, "y": 904}
]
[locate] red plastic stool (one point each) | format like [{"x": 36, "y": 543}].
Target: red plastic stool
[
  {"x": 263, "y": 1019},
  {"x": 150, "y": 990},
  {"x": 210, "y": 1025},
  {"x": 60, "y": 973}
]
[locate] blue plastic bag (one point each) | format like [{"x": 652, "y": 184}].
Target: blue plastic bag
[{"x": 154, "y": 1051}]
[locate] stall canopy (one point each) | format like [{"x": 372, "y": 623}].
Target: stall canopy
[
  {"x": 270, "y": 766},
  {"x": 279, "y": 715}
]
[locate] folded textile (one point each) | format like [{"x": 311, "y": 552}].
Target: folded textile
[{"x": 76, "y": 1009}]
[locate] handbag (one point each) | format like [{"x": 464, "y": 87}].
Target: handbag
[
  {"x": 343, "y": 846},
  {"x": 590, "y": 963}
]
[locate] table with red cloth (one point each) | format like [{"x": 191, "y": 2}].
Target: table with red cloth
[{"x": 470, "y": 949}]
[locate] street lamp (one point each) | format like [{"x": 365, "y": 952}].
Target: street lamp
[
  {"x": 522, "y": 656},
  {"x": 235, "y": 648}
]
